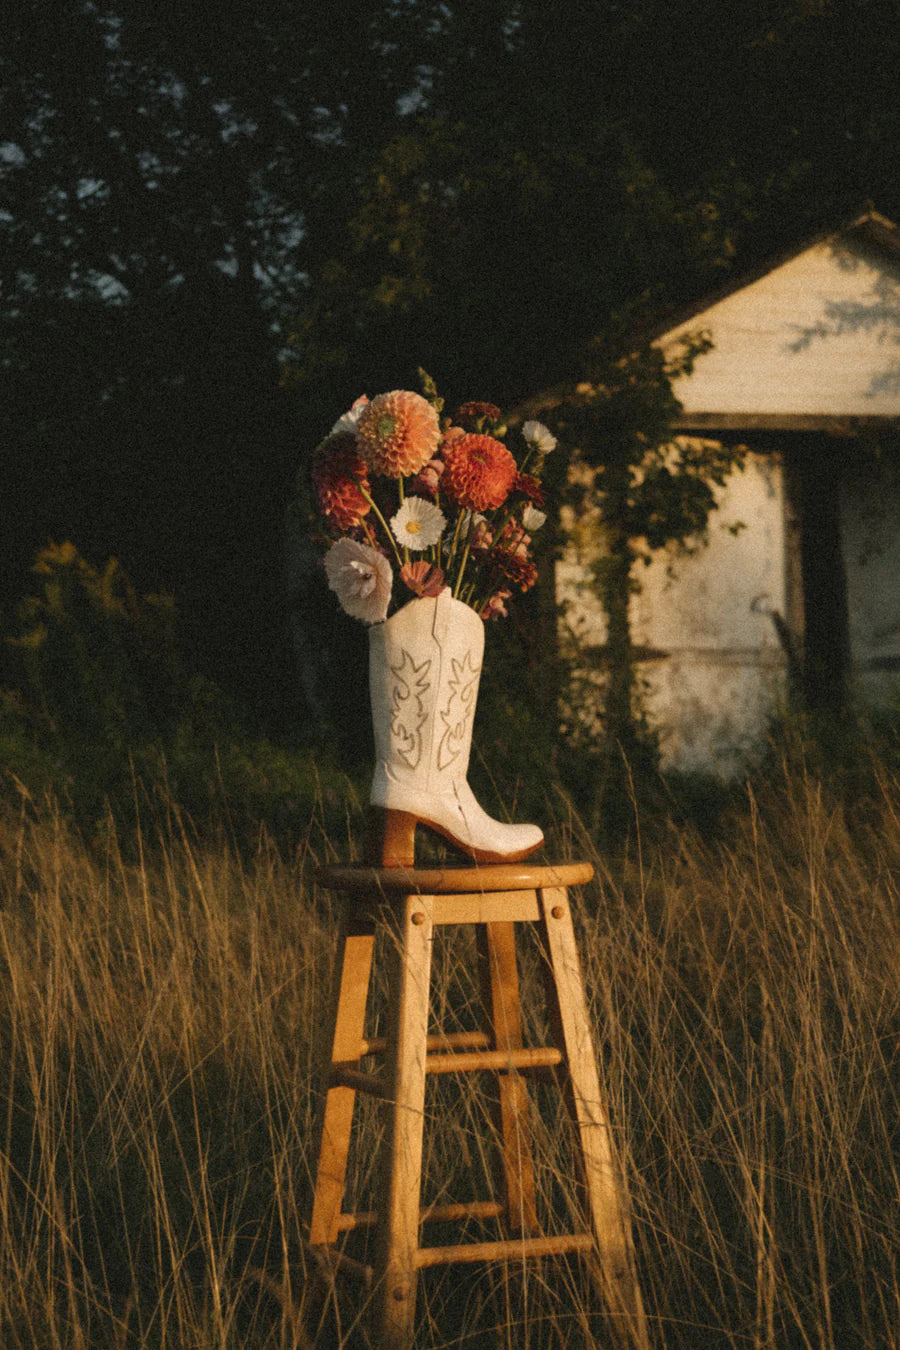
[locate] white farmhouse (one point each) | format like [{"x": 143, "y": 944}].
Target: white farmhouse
[{"x": 804, "y": 372}]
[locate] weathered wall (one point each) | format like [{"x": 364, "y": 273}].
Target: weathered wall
[
  {"x": 817, "y": 337},
  {"x": 715, "y": 671}
]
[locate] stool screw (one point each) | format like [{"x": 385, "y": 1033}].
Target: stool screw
[
  {"x": 418, "y": 918},
  {"x": 557, "y": 911}
]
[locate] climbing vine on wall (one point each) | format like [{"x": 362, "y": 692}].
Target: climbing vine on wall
[{"x": 638, "y": 488}]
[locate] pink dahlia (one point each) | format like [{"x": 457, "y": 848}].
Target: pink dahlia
[
  {"x": 338, "y": 473},
  {"x": 398, "y": 433},
  {"x": 479, "y": 472}
]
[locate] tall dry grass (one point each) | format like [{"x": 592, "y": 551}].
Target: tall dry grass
[{"x": 160, "y": 1005}]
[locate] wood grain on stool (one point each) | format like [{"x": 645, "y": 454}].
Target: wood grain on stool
[{"x": 412, "y": 902}]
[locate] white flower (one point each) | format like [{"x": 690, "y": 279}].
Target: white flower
[
  {"x": 347, "y": 423},
  {"x": 532, "y": 518},
  {"x": 361, "y": 578},
  {"x": 418, "y": 524},
  {"x": 539, "y": 437}
]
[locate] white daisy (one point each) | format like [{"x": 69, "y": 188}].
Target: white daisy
[
  {"x": 532, "y": 518},
  {"x": 361, "y": 578},
  {"x": 539, "y": 437},
  {"x": 418, "y": 524}
]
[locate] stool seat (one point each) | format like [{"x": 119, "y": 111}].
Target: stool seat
[
  {"x": 453, "y": 880},
  {"x": 409, "y": 903}
]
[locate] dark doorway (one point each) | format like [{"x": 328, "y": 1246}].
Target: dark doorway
[{"x": 814, "y": 469}]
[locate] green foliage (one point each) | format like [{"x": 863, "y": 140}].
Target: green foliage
[
  {"x": 101, "y": 711},
  {"x": 641, "y": 488},
  {"x": 94, "y": 659},
  {"x": 473, "y": 237},
  {"x": 653, "y": 487}
]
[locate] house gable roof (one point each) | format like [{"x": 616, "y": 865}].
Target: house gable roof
[{"x": 811, "y": 340}]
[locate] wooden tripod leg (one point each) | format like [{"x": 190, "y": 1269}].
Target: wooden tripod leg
[
  {"x": 400, "y": 1185},
  {"x": 354, "y": 970},
  {"x": 604, "y": 1187},
  {"x": 500, "y": 995}
]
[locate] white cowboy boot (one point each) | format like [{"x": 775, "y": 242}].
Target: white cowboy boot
[{"x": 424, "y": 668}]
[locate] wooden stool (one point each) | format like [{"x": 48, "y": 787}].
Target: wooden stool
[{"x": 495, "y": 898}]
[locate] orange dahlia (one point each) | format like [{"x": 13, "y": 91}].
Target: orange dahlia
[
  {"x": 479, "y": 472},
  {"x": 398, "y": 433},
  {"x": 338, "y": 473}
]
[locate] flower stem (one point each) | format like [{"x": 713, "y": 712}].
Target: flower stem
[
  {"x": 465, "y": 556},
  {"x": 384, "y": 525},
  {"x": 452, "y": 554}
]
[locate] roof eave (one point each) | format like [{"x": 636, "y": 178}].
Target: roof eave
[{"x": 870, "y": 222}]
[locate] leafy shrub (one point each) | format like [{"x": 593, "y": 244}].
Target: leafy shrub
[{"x": 101, "y": 710}]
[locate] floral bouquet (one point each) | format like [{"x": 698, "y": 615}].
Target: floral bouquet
[{"x": 440, "y": 502}]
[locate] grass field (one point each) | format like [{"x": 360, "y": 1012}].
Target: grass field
[{"x": 161, "y": 1001}]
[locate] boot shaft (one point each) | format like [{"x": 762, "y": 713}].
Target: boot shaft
[{"x": 424, "y": 670}]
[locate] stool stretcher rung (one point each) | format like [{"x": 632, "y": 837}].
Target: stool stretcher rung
[
  {"x": 470, "y": 1209},
  {"x": 360, "y": 1082},
  {"x": 407, "y": 905},
  {"x": 507, "y": 1250},
  {"x": 528, "y": 1058},
  {"x": 333, "y": 1261},
  {"x": 465, "y": 1040}
]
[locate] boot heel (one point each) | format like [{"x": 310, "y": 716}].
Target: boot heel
[{"x": 392, "y": 838}]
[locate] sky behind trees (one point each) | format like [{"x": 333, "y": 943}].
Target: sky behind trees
[{"x": 214, "y": 234}]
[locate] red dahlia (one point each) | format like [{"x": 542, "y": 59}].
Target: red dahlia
[
  {"x": 520, "y": 572},
  {"x": 471, "y": 412},
  {"x": 530, "y": 488},
  {"x": 338, "y": 472},
  {"x": 479, "y": 472}
]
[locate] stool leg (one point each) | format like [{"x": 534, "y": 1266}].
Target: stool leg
[
  {"x": 354, "y": 967},
  {"x": 500, "y": 995},
  {"x": 401, "y": 1180},
  {"x": 603, "y": 1185}
]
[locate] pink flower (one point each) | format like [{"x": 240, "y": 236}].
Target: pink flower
[
  {"x": 514, "y": 539},
  {"x": 495, "y": 608},
  {"x": 361, "y": 578},
  {"x": 428, "y": 479},
  {"x": 398, "y": 433},
  {"x": 422, "y": 578},
  {"x": 483, "y": 535}
]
